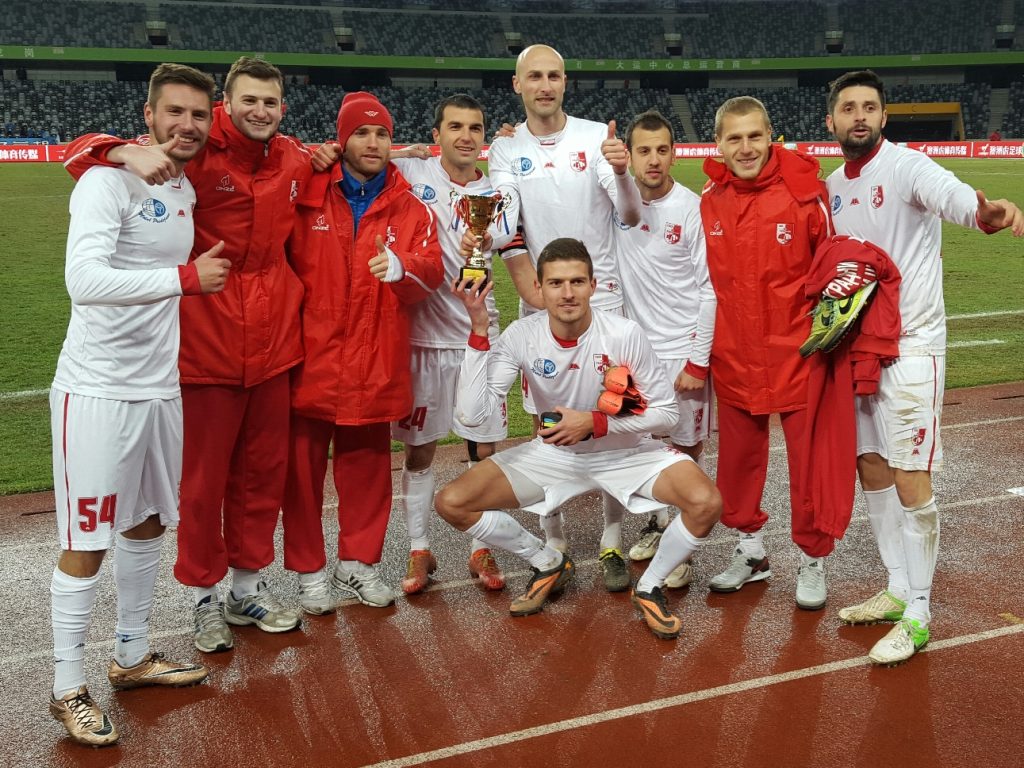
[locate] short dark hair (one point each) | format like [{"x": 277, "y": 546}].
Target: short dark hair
[
  {"x": 253, "y": 67},
  {"x": 179, "y": 74},
  {"x": 860, "y": 77},
  {"x": 651, "y": 120},
  {"x": 459, "y": 101},
  {"x": 564, "y": 249}
]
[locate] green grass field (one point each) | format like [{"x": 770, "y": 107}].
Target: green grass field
[{"x": 982, "y": 274}]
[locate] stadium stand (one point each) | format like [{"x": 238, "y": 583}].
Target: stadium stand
[
  {"x": 800, "y": 112},
  {"x": 1013, "y": 120},
  {"x": 918, "y": 26},
  {"x": 787, "y": 29},
  {"x": 592, "y": 37},
  {"x": 212, "y": 28},
  {"x": 68, "y": 23},
  {"x": 65, "y": 109},
  {"x": 405, "y": 34}
]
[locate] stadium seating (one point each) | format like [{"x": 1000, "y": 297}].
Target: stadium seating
[
  {"x": 65, "y": 109},
  {"x": 593, "y": 37},
  {"x": 67, "y": 23},
  {"x": 918, "y": 26},
  {"x": 237, "y": 28},
  {"x": 799, "y": 113},
  {"x": 751, "y": 30},
  {"x": 1013, "y": 120},
  {"x": 405, "y": 34}
]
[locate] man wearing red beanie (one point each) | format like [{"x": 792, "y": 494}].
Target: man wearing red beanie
[{"x": 365, "y": 248}]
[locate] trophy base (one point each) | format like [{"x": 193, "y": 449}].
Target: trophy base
[{"x": 481, "y": 275}]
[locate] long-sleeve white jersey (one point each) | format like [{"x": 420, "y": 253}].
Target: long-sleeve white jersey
[
  {"x": 897, "y": 200},
  {"x": 561, "y": 186},
  {"x": 125, "y": 244},
  {"x": 663, "y": 262},
  {"x": 569, "y": 376},
  {"x": 440, "y": 321}
]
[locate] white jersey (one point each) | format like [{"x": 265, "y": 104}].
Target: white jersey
[
  {"x": 440, "y": 321},
  {"x": 125, "y": 243},
  {"x": 569, "y": 376},
  {"x": 664, "y": 267},
  {"x": 897, "y": 201},
  {"x": 561, "y": 186}
]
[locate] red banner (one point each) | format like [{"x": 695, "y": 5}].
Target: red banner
[{"x": 982, "y": 150}]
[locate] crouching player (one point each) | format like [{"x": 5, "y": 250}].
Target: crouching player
[
  {"x": 116, "y": 403},
  {"x": 564, "y": 353}
]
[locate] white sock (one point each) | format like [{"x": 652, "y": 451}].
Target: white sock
[
  {"x": 554, "y": 533},
  {"x": 677, "y": 545},
  {"x": 418, "y": 494},
  {"x": 71, "y": 604},
  {"x": 806, "y": 559},
  {"x": 662, "y": 517},
  {"x": 475, "y": 545},
  {"x": 921, "y": 544},
  {"x": 356, "y": 566},
  {"x": 752, "y": 544},
  {"x": 614, "y": 512},
  {"x": 136, "y": 562},
  {"x": 886, "y": 516},
  {"x": 244, "y": 582},
  {"x": 201, "y": 593},
  {"x": 500, "y": 530}
]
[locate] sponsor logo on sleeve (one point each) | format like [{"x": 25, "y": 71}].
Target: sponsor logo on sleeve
[
  {"x": 837, "y": 204},
  {"x": 294, "y": 192}
]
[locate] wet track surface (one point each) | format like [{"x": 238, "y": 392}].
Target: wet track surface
[{"x": 449, "y": 678}]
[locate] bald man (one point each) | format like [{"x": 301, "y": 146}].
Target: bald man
[{"x": 567, "y": 177}]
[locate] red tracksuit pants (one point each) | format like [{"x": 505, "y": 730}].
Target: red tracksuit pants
[
  {"x": 362, "y": 477},
  {"x": 743, "y": 467},
  {"x": 232, "y": 477}
]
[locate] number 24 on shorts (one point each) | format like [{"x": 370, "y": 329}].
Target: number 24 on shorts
[{"x": 88, "y": 515}]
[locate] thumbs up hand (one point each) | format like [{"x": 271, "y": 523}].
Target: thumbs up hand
[{"x": 614, "y": 151}]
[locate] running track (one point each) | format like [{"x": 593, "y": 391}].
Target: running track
[{"x": 447, "y": 678}]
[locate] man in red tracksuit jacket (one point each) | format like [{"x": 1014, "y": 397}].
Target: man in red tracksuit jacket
[
  {"x": 236, "y": 348},
  {"x": 365, "y": 248},
  {"x": 764, "y": 213}
]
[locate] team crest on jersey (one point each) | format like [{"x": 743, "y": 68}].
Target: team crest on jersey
[
  {"x": 877, "y": 196},
  {"x": 698, "y": 417},
  {"x": 544, "y": 367},
  {"x": 578, "y": 161},
  {"x": 673, "y": 233},
  {"x": 321, "y": 224},
  {"x": 425, "y": 192},
  {"x": 602, "y": 363},
  {"x": 294, "y": 193},
  {"x": 225, "y": 184},
  {"x": 391, "y": 236},
  {"x": 153, "y": 210},
  {"x": 837, "y": 204},
  {"x": 783, "y": 234},
  {"x": 522, "y": 166},
  {"x": 919, "y": 435}
]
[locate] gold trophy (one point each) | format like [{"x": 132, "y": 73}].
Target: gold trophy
[{"x": 478, "y": 211}]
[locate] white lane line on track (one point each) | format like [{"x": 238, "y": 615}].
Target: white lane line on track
[{"x": 670, "y": 702}]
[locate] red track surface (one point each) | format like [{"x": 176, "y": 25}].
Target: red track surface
[{"x": 450, "y": 677}]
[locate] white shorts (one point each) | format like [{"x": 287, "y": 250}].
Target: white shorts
[
  {"x": 901, "y": 421},
  {"x": 544, "y": 476},
  {"x": 115, "y": 463},
  {"x": 694, "y": 423},
  {"x": 435, "y": 380}
]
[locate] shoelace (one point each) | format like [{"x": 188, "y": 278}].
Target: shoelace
[
  {"x": 209, "y": 616},
  {"x": 81, "y": 708},
  {"x": 487, "y": 562},
  {"x": 316, "y": 588}
]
